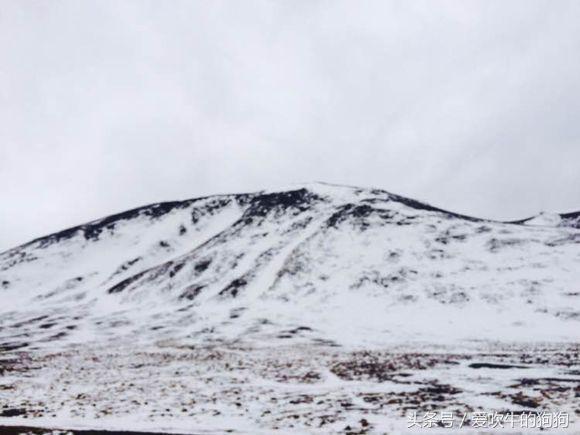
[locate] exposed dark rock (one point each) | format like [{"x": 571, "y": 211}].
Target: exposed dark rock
[
  {"x": 495, "y": 366},
  {"x": 125, "y": 283},
  {"x": 12, "y": 412},
  {"x": 295, "y": 202},
  {"x": 191, "y": 292},
  {"x": 496, "y": 244},
  {"x": 571, "y": 219},
  {"x": 202, "y": 266},
  {"x": 176, "y": 268},
  {"x": 234, "y": 287},
  {"x": 126, "y": 265}
]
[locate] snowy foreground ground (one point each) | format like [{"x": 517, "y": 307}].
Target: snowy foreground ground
[{"x": 293, "y": 389}]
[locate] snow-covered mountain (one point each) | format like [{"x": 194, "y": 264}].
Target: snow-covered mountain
[
  {"x": 316, "y": 309},
  {"x": 315, "y": 263}
]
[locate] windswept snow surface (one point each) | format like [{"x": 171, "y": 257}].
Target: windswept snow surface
[{"x": 270, "y": 310}]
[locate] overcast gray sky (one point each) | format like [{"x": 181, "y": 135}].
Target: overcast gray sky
[{"x": 470, "y": 105}]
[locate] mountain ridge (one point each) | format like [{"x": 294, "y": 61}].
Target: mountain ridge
[
  {"x": 93, "y": 227},
  {"x": 157, "y": 209}
]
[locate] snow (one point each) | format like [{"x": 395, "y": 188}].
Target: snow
[
  {"x": 545, "y": 219},
  {"x": 307, "y": 276}
]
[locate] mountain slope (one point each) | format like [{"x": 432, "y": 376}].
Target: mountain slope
[{"x": 317, "y": 263}]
